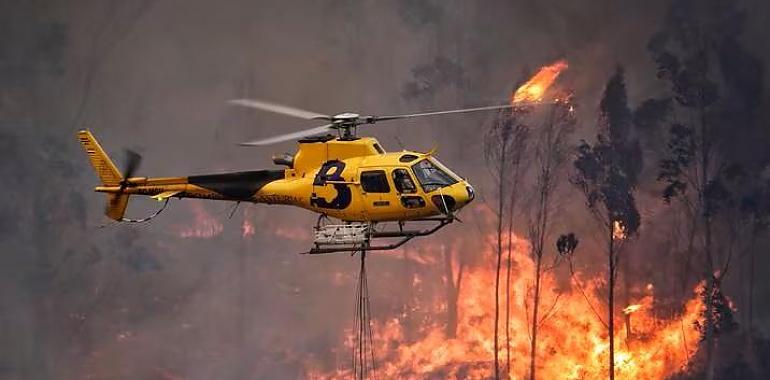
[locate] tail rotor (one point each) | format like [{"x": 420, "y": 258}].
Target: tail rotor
[
  {"x": 132, "y": 162},
  {"x": 117, "y": 202}
]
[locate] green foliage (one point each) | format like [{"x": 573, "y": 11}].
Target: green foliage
[
  {"x": 566, "y": 244},
  {"x": 722, "y": 314},
  {"x": 681, "y": 153},
  {"x": 755, "y": 203},
  {"x": 607, "y": 171},
  {"x": 617, "y": 121},
  {"x": 651, "y": 113},
  {"x": 603, "y": 181}
]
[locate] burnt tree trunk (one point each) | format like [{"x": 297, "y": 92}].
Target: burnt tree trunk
[
  {"x": 502, "y": 145},
  {"x": 709, "y": 322},
  {"x": 453, "y": 283},
  {"x": 500, "y": 210},
  {"x": 705, "y": 153},
  {"x": 550, "y": 156},
  {"x": 751, "y": 290},
  {"x": 508, "y": 284},
  {"x": 536, "y": 307},
  {"x": 538, "y": 248},
  {"x": 611, "y": 301}
]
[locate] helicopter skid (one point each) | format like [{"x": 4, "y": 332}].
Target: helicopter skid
[{"x": 354, "y": 237}]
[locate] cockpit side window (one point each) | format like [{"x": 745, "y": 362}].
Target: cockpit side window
[
  {"x": 403, "y": 182},
  {"x": 431, "y": 176},
  {"x": 375, "y": 181}
]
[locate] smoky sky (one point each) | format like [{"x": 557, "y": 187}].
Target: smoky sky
[{"x": 155, "y": 76}]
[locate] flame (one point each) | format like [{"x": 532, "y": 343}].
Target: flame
[
  {"x": 204, "y": 225},
  {"x": 631, "y": 309},
  {"x": 247, "y": 228},
  {"x": 572, "y": 341},
  {"x": 618, "y": 230},
  {"x": 535, "y": 88}
]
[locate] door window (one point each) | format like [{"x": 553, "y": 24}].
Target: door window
[
  {"x": 375, "y": 181},
  {"x": 403, "y": 182}
]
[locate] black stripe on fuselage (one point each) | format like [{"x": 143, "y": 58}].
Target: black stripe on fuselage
[{"x": 238, "y": 185}]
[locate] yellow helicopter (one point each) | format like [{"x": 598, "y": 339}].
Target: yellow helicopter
[{"x": 334, "y": 173}]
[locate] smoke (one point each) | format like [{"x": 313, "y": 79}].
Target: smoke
[{"x": 80, "y": 301}]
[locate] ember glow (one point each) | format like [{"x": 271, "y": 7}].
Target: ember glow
[
  {"x": 202, "y": 226},
  {"x": 535, "y": 88},
  {"x": 572, "y": 343},
  {"x": 247, "y": 228},
  {"x": 618, "y": 230}
]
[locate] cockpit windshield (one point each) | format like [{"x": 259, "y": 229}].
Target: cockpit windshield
[{"x": 431, "y": 176}]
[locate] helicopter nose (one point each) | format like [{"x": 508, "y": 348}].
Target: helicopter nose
[
  {"x": 453, "y": 198},
  {"x": 471, "y": 193},
  {"x": 464, "y": 194}
]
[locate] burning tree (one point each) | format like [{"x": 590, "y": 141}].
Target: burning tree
[
  {"x": 504, "y": 146},
  {"x": 715, "y": 149},
  {"x": 606, "y": 178},
  {"x": 502, "y": 134},
  {"x": 550, "y": 153},
  {"x": 574, "y": 340}
]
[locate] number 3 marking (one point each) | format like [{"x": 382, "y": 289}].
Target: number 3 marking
[{"x": 344, "y": 195}]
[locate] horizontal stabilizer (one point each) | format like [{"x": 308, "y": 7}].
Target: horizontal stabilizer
[{"x": 165, "y": 195}]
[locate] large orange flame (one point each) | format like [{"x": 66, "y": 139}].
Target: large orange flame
[
  {"x": 572, "y": 341},
  {"x": 535, "y": 88}
]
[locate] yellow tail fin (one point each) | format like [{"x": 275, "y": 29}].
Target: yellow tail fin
[
  {"x": 108, "y": 173},
  {"x": 106, "y": 170},
  {"x": 116, "y": 206}
]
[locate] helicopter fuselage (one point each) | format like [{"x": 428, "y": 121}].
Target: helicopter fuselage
[{"x": 353, "y": 180}]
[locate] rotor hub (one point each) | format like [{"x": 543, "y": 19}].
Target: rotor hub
[{"x": 346, "y": 116}]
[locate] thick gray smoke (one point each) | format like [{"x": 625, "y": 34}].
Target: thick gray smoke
[{"x": 140, "y": 302}]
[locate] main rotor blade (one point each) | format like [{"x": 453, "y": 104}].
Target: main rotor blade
[
  {"x": 328, "y": 128},
  {"x": 279, "y": 108},
  {"x": 464, "y": 110}
]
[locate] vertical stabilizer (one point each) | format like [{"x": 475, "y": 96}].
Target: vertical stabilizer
[
  {"x": 116, "y": 206},
  {"x": 106, "y": 170}
]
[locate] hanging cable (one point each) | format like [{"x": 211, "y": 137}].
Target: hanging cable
[
  {"x": 235, "y": 208},
  {"x": 363, "y": 346},
  {"x": 147, "y": 219}
]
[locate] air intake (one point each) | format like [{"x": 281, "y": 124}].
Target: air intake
[{"x": 285, "y": 159}]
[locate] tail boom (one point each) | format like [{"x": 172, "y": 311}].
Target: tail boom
[
  {"x": 258, "y": 186},
  {"x": 249, "y": 186}
]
